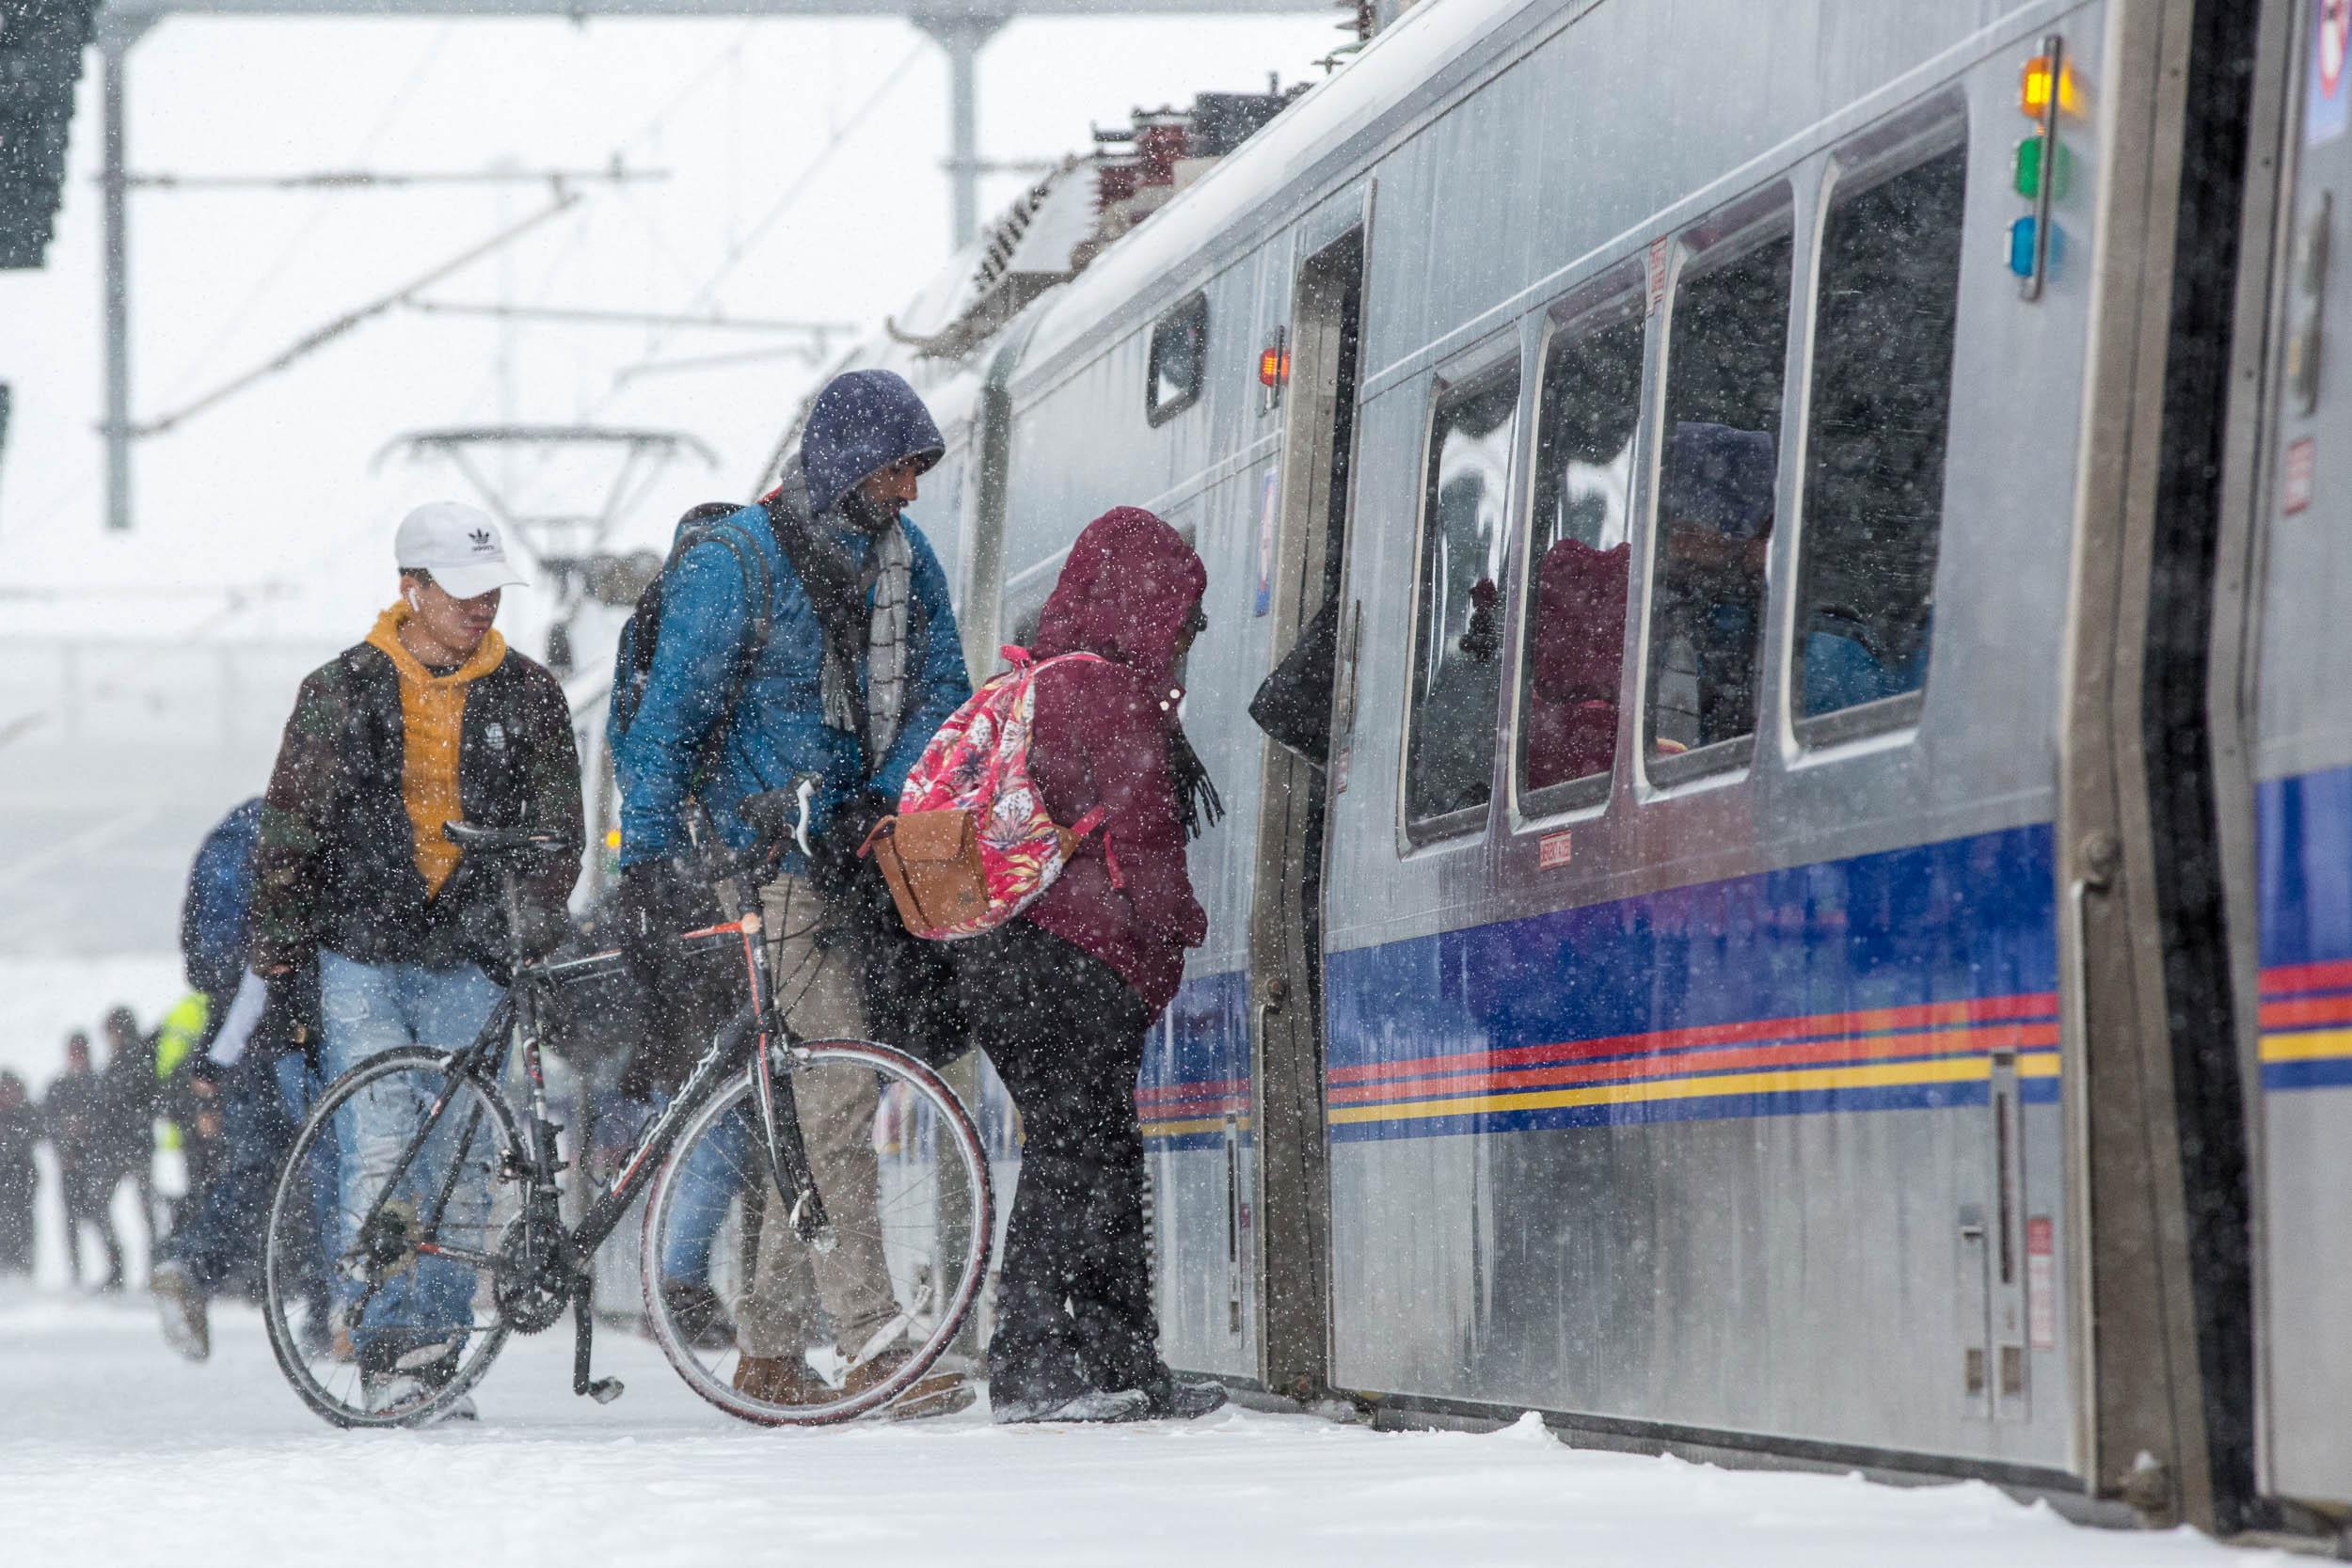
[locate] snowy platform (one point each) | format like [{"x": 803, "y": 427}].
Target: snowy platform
[{"x": 113, "y": 1453}]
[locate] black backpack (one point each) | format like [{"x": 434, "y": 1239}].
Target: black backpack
[{"x": 642, "y": 633}]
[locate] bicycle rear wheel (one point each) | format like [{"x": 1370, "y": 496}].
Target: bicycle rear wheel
[
  {"x": 835, "y": 1335},
  {"x": 383, "y": 1242}
]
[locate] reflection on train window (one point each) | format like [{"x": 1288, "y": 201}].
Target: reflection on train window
[
  {"x": 1574, "y": 654},
  {"x": 1180, "y": 351},
  {"x": 1874, "y": 444},
  {"x": 1725, "y": 359},
  {"x": 1457, "y": 663}
]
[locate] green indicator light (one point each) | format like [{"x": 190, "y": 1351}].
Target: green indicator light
[{"x": 2030, "y": 168}]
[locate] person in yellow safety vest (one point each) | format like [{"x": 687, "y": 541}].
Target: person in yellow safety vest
[{"x": 178, "y": 1041}]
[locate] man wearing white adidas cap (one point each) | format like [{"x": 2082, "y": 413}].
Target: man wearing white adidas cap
[{"x": 432, "y": 719}]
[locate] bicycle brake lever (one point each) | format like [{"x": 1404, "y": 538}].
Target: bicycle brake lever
[{"x": 805, "y": 792}]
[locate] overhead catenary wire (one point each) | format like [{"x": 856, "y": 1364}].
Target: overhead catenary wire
[{"x": 312, "y": 341}]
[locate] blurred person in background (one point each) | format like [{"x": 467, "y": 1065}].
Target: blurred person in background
[
  {"x": 19, "y": 1129},
  {"x": 432, "y": 719},
  {"x": 72, "y": 1114},
  {"x": 179, "y": 1047},
  {"x": 129, "y": 1098}
]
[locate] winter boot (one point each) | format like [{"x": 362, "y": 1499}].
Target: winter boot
[
  {"x": 937, "y": 1394},
  {"x": 698, "y": 1314},
  {"x": 180, "y": 1309},
  {"x": 1092, "y": 1406},
  {"x": 400, "y": 1372},
  {"x": 780, "y": 1380},
  {"x": 1183, "y": 1399}
]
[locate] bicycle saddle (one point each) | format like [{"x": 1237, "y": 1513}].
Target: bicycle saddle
[{"x": 467, "y": 836}]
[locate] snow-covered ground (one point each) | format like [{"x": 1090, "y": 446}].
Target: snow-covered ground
[{"x": 113, "y": 1453}]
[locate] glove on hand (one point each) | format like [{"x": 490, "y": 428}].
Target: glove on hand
[
  {"x": 644, "y": 919},
  {"x": 834, "y": 865}
]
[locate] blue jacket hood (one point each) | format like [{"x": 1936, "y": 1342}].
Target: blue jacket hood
[{"x": 861, "y": 423}]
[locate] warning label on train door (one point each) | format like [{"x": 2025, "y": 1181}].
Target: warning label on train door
[{"x": 2040, "y": 1283}]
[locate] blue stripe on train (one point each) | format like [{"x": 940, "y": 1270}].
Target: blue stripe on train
[
  {"x": 1953, "y": 920},
  {"x": 2304, "y": 830}
]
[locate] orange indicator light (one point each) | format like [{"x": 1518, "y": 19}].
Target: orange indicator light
[
  {"x": 2033, "y": 92},
  {"x": 1274, "y": 366}
]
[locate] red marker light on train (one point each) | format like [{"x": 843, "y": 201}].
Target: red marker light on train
[{"x": 1274, "y": 365}]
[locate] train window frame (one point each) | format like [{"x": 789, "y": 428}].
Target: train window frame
[
  {"x": 1720, "y": 238},
  {"x": 1189, "y": 315},
  {"x": 1612, "y": 297},
  {"x": 1884, "y": 153},
  {"x": 1486, "y": 368}
]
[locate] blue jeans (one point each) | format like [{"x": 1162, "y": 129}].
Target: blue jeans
[
  {"x": 707, "y": 1184},
  {"x": 369, "y": 1009},
  {"x": 261, "y": 1105}
]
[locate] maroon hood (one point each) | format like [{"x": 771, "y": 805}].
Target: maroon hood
[{"x": 1124, "y": 592}]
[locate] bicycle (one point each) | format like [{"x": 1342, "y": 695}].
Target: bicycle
[{"x": 391, "y": 1288}]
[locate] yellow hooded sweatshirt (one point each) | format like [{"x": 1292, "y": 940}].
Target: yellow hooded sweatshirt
[{"x": 431, "y": 716}]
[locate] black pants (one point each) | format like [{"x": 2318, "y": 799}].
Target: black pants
[
  {"x": 1073, "y": 1295},
  {"x": 87, "y": 1194},
  {"x": 17, "y": 1186}
]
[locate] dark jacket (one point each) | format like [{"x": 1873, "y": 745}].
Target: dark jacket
[
  {"x": 19, "y": 1129},
  {"x": 1101, "y": 738},
  {"x": 860, "y": 423},
  {"x": 212, "y": 917},
  {"x": 336, "y": 868},
  {"x": 73, "y": 1115}
]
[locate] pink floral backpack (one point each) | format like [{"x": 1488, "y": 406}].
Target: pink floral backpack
[{"x": 972, "y": 844}]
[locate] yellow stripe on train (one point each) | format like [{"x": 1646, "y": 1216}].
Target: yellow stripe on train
[
  {"x": 2311, "y": 1046},
  {"x": 1956, "y": 1069}
]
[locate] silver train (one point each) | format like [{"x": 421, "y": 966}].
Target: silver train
[{"x": 1826, "y": 933}]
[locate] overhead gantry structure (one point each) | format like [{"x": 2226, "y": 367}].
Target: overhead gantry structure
[{"x": 960, "y": 28}]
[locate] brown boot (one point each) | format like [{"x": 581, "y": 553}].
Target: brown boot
[
  {"x": 938, "y": 1394},
  {"x": 782, "y": 1381}
]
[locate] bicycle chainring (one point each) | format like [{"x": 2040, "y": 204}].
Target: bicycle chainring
[{"x": 534, "y": 1278}]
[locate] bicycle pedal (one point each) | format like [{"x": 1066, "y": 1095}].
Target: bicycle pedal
[{"x": 604, "y": 1390}]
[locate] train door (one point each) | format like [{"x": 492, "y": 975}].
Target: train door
[
  {"x": 1302, "y": 571},
  {"x": 2284, "y": 691},
  {"x": 2155, "y": 1093}
]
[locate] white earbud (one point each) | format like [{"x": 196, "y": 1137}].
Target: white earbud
[{"x": 410, "y": 595}]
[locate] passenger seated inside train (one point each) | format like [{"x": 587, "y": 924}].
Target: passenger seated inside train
[
  {"x": 1716, "y": 519},
  {"x": 1576, "y": 660}
]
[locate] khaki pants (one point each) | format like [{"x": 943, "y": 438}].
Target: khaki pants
[{"x": 777, "y": 1316}]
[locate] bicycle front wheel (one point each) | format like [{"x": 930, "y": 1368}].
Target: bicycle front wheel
[
  {"x": 775, "y": 1331},
  {"x": 384, "y": 1240}
]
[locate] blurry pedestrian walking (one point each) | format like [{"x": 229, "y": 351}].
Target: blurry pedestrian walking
[
  {"x": 74, "y": 1115},
  {"x": 19, "y": 1129},
  {"x": 1062, "y": 995},
  {"x": 130, "y": 1096}
]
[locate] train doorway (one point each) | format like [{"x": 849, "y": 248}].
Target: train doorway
[{"x": 1306, "y": 580}]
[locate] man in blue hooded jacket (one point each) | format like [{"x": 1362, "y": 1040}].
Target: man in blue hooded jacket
[{"x": 861, "y": 665}]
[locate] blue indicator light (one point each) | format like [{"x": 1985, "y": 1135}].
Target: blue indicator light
[{"x": 2021, "y": 236}]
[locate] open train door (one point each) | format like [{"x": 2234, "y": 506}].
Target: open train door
[
  {"x": 1314, "y": 365},
  {"x": 2156, "y": 1093},
  {"x": 2282, "y": 712}
]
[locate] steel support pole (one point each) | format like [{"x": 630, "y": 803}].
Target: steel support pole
[
  {"x": 963, "y": 35},
  {"x": 114, "y": 45}
]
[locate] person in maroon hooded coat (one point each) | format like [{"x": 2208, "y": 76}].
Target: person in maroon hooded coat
[{"x": 1063, "y": 995}]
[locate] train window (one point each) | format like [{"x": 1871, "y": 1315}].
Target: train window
[
  {"x": 1880, "y": 408},
  {"x": 1573, "y": 656},
  {"x": 1457, "y": 662},
  {"x": 1179, "y": 353},
  {"x": 1725, "y": 360}
]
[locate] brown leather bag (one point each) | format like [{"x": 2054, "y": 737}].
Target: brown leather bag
[{"x": 931, "y": 862}]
